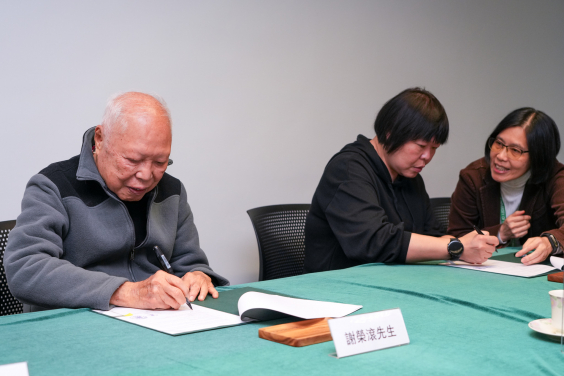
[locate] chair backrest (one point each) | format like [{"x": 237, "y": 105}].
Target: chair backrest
[
  {"x": 280, "y": 237},
  {"x": 441, "y": 209},
  {"x": 8, "y": 304}
]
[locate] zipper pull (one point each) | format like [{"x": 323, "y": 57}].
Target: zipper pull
[{"x": 132, "y": 254}]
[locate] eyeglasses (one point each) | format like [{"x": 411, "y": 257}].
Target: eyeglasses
[{"x": 497, "y": 146}]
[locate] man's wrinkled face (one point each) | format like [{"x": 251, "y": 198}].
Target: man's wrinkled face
[{"x": 133, "y": 160}]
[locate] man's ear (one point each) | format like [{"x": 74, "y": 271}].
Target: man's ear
[{"x": 98, "y": 137}]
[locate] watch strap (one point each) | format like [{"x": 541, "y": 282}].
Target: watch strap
[{"x": 556, "y": 249}]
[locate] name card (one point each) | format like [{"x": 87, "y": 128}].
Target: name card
[
  {"x": 14, "y": 369},
  {"x": 368, "y": 332}
]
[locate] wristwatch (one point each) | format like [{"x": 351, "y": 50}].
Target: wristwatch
[
  {"x": 455, "y": 248},
  {"x": 553, "y": 242}
]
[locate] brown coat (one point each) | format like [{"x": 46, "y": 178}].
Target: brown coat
[{"x": 476, "y": 201}]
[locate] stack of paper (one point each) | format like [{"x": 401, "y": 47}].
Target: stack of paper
[
  {"x": 252, "y": 306},
  {"x": 504, "y": 267}
]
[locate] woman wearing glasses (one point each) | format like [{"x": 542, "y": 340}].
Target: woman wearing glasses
[{"x": 517, "y": 190}]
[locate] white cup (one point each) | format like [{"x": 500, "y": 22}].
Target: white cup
[{"x": 556, "y": 299}]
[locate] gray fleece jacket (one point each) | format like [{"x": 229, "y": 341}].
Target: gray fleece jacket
[{"x": 74, "y": 241}]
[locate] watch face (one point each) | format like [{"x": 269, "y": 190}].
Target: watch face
[{"x": 455, "y": 247}]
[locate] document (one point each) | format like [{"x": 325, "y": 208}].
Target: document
[
  {"x": 251, "y": 305},
  {"x": 557, "y": 262},
  {"x": 14, "y": 369},
  {"x": 504, "y": 267},
  {"x": 175, "y": 322},
  {"x": 260, "y": 306}
]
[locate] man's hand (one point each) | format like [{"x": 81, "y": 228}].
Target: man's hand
[
  {"x": 160, "y": 291},
  {"x": 478, "y": 248},
  {"x": 542, "y": 248},
  {"x": 199, "y": 282},
  {"x": 515, "y": 226}
]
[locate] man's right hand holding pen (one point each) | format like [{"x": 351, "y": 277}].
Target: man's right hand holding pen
[{"x": 164, "y": 290}]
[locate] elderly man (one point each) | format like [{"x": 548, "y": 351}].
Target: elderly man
[{"x": 88, "y": 225}]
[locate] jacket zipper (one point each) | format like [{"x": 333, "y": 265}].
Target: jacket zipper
[
  {"x": 132, "y": 252},
  {"x": 115, "y": 197},
  {"x": 131, "y": 257}
]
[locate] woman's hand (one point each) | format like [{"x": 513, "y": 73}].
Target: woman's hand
[
  {"x": 542, "y": 248},
  {"x": 478, "y": 248},
  {"x": 515, "y": 226}
]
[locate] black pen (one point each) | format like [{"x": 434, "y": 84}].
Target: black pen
[
  {"x": 475, "y": 228},
  {"x": 480, "y": 232},
  {"x": 166, "y": 266}
]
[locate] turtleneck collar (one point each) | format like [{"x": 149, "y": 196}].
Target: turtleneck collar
[
  {"x": 512, "y": 192},
  {"x": 516, "y": 184}
]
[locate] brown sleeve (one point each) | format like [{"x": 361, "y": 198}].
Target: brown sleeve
[
  {"x": 556, "y": 192},
  {"x": 465, "y": 207}
]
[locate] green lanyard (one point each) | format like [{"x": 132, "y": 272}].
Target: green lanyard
[{"x": 502, "y": 215}]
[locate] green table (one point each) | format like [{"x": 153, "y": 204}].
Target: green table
[{"x": 459, "y": 322}]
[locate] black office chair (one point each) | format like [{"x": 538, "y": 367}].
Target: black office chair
[
  {"x": 441, "y": 208},
  {"x": 280, "y": 237},
  {"x": 8, "y": 304}
]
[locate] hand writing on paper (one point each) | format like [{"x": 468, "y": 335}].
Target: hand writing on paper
[
  {"x": 515, "y": 226},
  {"x": 199, "y": 282},
  {"x": 478, "y": 248},
  {"x": 542, "y": 248},
  {"x": 160, "y": 291}
]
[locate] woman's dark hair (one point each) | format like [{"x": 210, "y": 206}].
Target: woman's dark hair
[
  {"x": 413, "y": 114},
  {"x": 543, "y": 140}
]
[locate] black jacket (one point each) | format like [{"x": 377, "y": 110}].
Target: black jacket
[{"x": 359, "y": 216}]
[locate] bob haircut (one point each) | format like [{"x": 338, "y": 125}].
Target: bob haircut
[
  {"x": 543, "y": 140},
  {"x": 413, "y": 114}
]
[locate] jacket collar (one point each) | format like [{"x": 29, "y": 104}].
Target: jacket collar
[
  {"x": 363, "y": 147},
  {"x": 87, "y": 169}
]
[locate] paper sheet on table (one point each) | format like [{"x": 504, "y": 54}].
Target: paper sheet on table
[
  {"x": 259, "y": 306},
  {"x": 503, "y": 267},
  {"x": 557, "y": 262},
  {"x": 251, "y": 306},
  {"x": 174, "y": 322},
  {"x": 14, "y": 369}
]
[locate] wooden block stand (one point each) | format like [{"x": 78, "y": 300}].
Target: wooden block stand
[
  {"x": 298, "y": 334},
  {"x": 556, "y": 277}
]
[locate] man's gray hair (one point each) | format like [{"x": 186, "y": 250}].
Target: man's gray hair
[{"x": 120, "y": 105}]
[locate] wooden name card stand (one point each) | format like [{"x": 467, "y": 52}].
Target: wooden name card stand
[
  {"x": 556, "y": 277},
  {"x": 298, "y": 334}
]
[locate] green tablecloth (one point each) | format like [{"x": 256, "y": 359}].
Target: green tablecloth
[{"x": 459, "y": 322}]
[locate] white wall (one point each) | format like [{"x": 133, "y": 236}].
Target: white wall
[{"x": 263, "y": 93}]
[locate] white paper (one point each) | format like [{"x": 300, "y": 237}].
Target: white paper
[
  {"x": 368, "y": 332},
  {"x": 174, "y": 322},
  {"x": 557, "y": 262},
  {"x": 14, "y": 369},
  {"x": 503, "y": 267},
  {"x": 256, "y": 305},
  {"x": 252, "y": 306}
]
